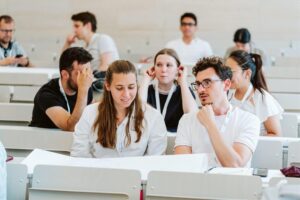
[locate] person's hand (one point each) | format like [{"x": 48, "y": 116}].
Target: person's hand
[
  {"x": 71, "y": 38},
  {"x": 22, "y": 61},
  {"x": 9, "y": 61},
  {"x": 182, "y": 74},
  {"x": 149, "y": 74},
  {"x": 146, "y": 59},
  {"x": 85, "y": 78},
  {"x": 206, "y": 116}
]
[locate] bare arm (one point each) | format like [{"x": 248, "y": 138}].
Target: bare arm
[
  {"x": 105, "y": 60},
  {"x": 8, "y": 61},
  {"x": 144, "y": 84},
  {"x": 236, "y": 155},
  {"x": 183, "y": 150},
  {"x": 60, "y": 117},
  {"x": 272, "y": 125},
  {"x": 188, "y": 102},
  {"x": 69, "y": 41}
]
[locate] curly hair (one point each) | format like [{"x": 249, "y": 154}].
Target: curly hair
[{"x": 216, "y": 63}]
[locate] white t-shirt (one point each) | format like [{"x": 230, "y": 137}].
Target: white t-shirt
[
  {"x": 153, "y": 140},
  {"x": 190, "y": 53},
  {"x": 99, "y": 44},
  {"x": 2, "y": 172},
  {"x": 241, "y": 127},
  {"x": 263, "y": 106}
]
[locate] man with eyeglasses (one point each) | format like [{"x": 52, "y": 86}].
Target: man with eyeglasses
[
  {"x": 224, "y": 132},
  {"x": 11, "y": 52},
  {"x": 190, "y": 48},
  {"x": 60, "y": 102}
]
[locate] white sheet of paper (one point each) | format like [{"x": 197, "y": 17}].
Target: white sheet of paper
[{"x": 145, "y": 164}]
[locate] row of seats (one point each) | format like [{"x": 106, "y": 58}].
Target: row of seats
[
  {"x": 20, "y": 141},
  {"x": 63, "y": 182}
]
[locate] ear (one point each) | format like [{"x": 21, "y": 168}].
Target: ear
[
  {"x": 227, "y": 84},
  {"x": 248, "y": 74},
  {"x": 107, "y": 86},
  {"x": 64, "y": 74}
]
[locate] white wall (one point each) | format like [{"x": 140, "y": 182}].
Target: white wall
[{"x": 143, "y": 27}]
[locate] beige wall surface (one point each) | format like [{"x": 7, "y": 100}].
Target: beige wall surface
[{"x": 143, "y": 27}]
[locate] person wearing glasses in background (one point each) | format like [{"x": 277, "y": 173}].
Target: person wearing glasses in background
[
  {"x": 11, "y": 52},
  {"x": 189, "y": 48},
  {"x": 227, "y": 133}
]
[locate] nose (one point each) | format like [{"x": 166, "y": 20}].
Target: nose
[
  {"x": 164, "y": 68},
  {"x": 200, "y": 89},
  {"x": 126, "y": 93}
]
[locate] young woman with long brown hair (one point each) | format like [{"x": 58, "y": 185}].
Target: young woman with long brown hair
[{"x": 120, "y": 125}]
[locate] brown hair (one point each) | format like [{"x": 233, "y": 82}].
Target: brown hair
[
  {"x": 106, "y": 121},
  {"x": 169, "y": 52},
  {"x": 213, "y": 62},
  {"x": 254, "y": 63},
  {"x": 6, "y": 18}
]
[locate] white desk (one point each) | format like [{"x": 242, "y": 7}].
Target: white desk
[
  {"x": 21, "y": 140},
  {"x": 26, "y": 76},
  {"x": 247, "y": 171},
  {"x": 16, "y": 112}
]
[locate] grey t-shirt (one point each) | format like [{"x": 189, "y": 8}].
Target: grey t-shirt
[
  {"x": 13, "y": 49},
  {"x": 101, "y": 43}
]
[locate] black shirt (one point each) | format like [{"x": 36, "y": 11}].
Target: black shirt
[
  {"x": 174, "y": 109},
  {"x": 49, "y": 95}
]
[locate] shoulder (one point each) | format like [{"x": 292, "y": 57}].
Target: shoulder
[
  {"x": 174, "y": 42},
  {"x": 189, "y": 118},
  {"x": 149, "y": 111},
  {"x": 52, "y": 87},
  {"x": 245, "y": 117},
  {"x": 92, "y": 108},
  {"x": 201, "y": 41},
  {"x": 103, "y": 37}
]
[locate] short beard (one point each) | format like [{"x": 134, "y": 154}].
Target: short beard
[{"x": 72, "y": 85}]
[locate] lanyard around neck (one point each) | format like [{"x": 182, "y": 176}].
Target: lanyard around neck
[
  {"x": 62, "y": 91},
  {"x": 164, "y": 111}
]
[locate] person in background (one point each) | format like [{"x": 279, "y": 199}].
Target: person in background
[
  {"x": 189, "y": 48},
  {"x": 101, "y": 46},
  {"x": 120, "y": 124},
  {"x": 60, "y": 102},
  {"x": 251, "y": 91},
  {"x": 242, "y": 41},
  {"x": 171, "y": 95},
  {"x": 11, "y": 52},
  {"x": 219, "y": 129}
]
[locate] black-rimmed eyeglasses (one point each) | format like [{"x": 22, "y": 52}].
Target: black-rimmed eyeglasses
[
  {"x": 206, "y": 83},
  {"x": 7, "y": 30}
]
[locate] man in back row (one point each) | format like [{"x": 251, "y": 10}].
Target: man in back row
[
  {"x": 189, "y": 48},
  {"x": 11, "y": 52},
  {"x": 60, "y": 102},
  {"x": 226, "y": 132},
  {"x": 100, "y": 46}
]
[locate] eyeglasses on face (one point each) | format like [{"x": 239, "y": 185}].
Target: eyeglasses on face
[
  {"x": 187, "y": 24},
  {"x": 206, "y": 83},
  {"x": 7, "y": 30}
]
